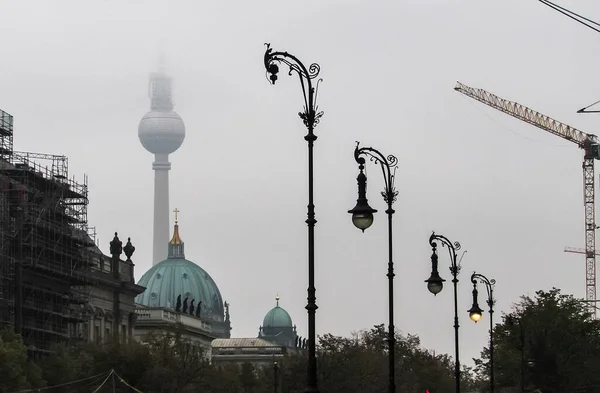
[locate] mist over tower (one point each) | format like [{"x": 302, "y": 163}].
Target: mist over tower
[{"x": 161, "y": 132}]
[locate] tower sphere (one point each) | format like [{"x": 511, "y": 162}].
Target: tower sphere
[{"x": 161, "y": 131}]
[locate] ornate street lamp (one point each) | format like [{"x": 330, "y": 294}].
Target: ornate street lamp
[
  {"x": 362, "y": 218},
  {"x": 435, "y": 284},
  {"x": 310, "y": 117},
  {"x": 476, "y": 313}
]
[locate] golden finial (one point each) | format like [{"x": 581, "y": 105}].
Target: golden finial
[
  {"x": 176, "y": 239},
  {"x": 277, "y": 299}
]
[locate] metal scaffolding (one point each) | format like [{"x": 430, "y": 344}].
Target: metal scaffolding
[
  {"x": 6, "y": 134},
  {"x": 45, "y": 245}
]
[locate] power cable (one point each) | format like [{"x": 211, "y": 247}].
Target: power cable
[
  {"x": 104, "y": 382},
  {"x": 126, "y": 384},
  {"x": 581, "y": 19},
  {"x": 583, "y": 110},
  {"x": 569, "y": 11},
  {"x": 60, "y": 385},
  {"x": 95, "y": 382},
  {"x": 571, "y": 15}
]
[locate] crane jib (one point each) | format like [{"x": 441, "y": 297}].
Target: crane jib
[{"x": 528, "y": 115}]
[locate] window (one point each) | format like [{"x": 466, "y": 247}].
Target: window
[{"x": 97, "y": 334}]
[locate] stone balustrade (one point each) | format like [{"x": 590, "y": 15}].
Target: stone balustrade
[{"x": 162, "y": 314}]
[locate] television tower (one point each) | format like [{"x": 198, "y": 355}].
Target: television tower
[{"x": 161, "y": 132}]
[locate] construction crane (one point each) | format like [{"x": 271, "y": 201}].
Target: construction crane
[{"x": 587, "y": 142}]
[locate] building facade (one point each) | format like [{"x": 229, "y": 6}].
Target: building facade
[
  {"x": 277, "y": 338},
  {"x": 257, "y": 351},
  {"x": 277, "y": 327},
  {"x": 110, "y": 312}
]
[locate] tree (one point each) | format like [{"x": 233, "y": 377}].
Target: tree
[
  {"x": 223, "y": 378},
  {"x": 162, "y": 363},
  {"x": 248, "y": 378},
  {"x": 349, "y": 364},
  {"x": 16, "y": 371},
  {"x": 360, "y": 364},
  {"x": 292, "y": 374},
  {"x": 559, "y": 350},
  {"x": 177, "y": 365},
  {"x": 65, "y": 365}
]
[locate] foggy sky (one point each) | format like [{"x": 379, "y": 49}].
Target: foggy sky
[{"x": 74, "y": 74}]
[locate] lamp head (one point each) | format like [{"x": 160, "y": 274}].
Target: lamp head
[
  {"x": 362, "y": 213},
  {"x": 475, "y": 312},
  {"x": 435, "y": 283},
  {"x": 273, "y": 70}
]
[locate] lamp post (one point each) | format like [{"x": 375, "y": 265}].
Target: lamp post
[
  {"x": 362, "y": 218},
  {"x": 476, "y": 313},
  {"x": 435, "y": 284},
  {"x": 275, "y": 377},
  {"x": 310, "y": 117}
]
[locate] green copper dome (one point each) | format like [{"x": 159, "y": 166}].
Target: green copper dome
[
  {"x": 277, "y": 317},
  {"x": 176, "y": 276}
]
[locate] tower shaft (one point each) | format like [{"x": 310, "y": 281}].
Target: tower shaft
[
  {"x": 161, "y": 132},
  {"x": 161, "y": 167}
]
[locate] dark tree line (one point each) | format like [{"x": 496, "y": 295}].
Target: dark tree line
[
  {"x": 171, "y": 364},
  {"x": 548, "y": 343}
]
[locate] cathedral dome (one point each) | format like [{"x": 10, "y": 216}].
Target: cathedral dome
[
  {"x": 176, "y": 276},
  {"x": 277, "y": 317}
]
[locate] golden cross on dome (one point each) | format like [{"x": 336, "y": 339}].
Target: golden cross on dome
[
  {"x": 277, "y": 299},
  {"x": 176, "y": 211}
]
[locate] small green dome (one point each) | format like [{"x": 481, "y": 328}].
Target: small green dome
[
  {"x": 277, "y": 318},
  {"x": 172, "y": 277}
]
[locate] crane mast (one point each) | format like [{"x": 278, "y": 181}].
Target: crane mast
[{"x": 587, "y": 142}]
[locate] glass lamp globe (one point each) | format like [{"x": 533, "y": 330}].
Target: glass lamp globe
[
  {"x": 362, "y": 214},
  {"x": 475, "y": 313}
]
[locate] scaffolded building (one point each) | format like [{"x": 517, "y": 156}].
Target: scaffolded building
[{"x": 46, "y": 252}]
